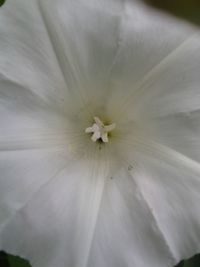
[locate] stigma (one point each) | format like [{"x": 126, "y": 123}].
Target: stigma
[{"x": 100, "y": 131}]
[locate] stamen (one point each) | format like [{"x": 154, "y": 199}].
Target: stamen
[{"x": 99, "y": 130}]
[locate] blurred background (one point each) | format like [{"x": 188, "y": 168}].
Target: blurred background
[{"x": 185, "y": 9}]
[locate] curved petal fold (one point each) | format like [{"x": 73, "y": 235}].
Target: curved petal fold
[
  {"x": 171, "y": 187},
  {"x": 127, "y": 234},
  {"x": 147, "y": 40},
  {"x": 57, "y": 225},
  {"x": 26, "y": 54},
  {"x": 23, "y": 173},
  {"x": 180, "y": 132},
  {"x": 85, "y": 38}
]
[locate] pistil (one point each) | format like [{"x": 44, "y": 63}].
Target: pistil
[{"x": 100, "y": 131}]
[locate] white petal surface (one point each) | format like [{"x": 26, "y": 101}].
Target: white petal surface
[
  {"x": 127, "y": 234},
  {"x": 26, "y": 54},
  {"x": 170, "y": 183},
  {"x": 85, "y": 36},
  {"x": 147, "y": 40},
  {"x": 23, "y": 172},
  {"x": 56, "y": 227},
  {"x": 174, "y": 86},
  {"x": 32, "y": 146},
  {"x": 180, "y": 132},
  {"x": 24, "y": 113}
]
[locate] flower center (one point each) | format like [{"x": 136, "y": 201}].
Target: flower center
[{"x": 99, "y": 130}]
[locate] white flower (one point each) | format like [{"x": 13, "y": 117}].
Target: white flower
[{"x": 99, "y": 138}]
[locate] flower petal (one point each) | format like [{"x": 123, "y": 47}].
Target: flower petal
[
  {"x": 85, "y": 37},
  {"x": 180, "y": 132},
  {"x": 147, "y": 39},
  {"x": 171, "y": 188},
  {"x": 22, "y": 174},
  {"x": 56, "y": 227},
  {"x": 28, "y": 125},
  {"x": 127, "y": 234},
  {"x": 174, "y": 86},
  {"x": 24, "y": 113},
  {"x": 26, "y": 54}
]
